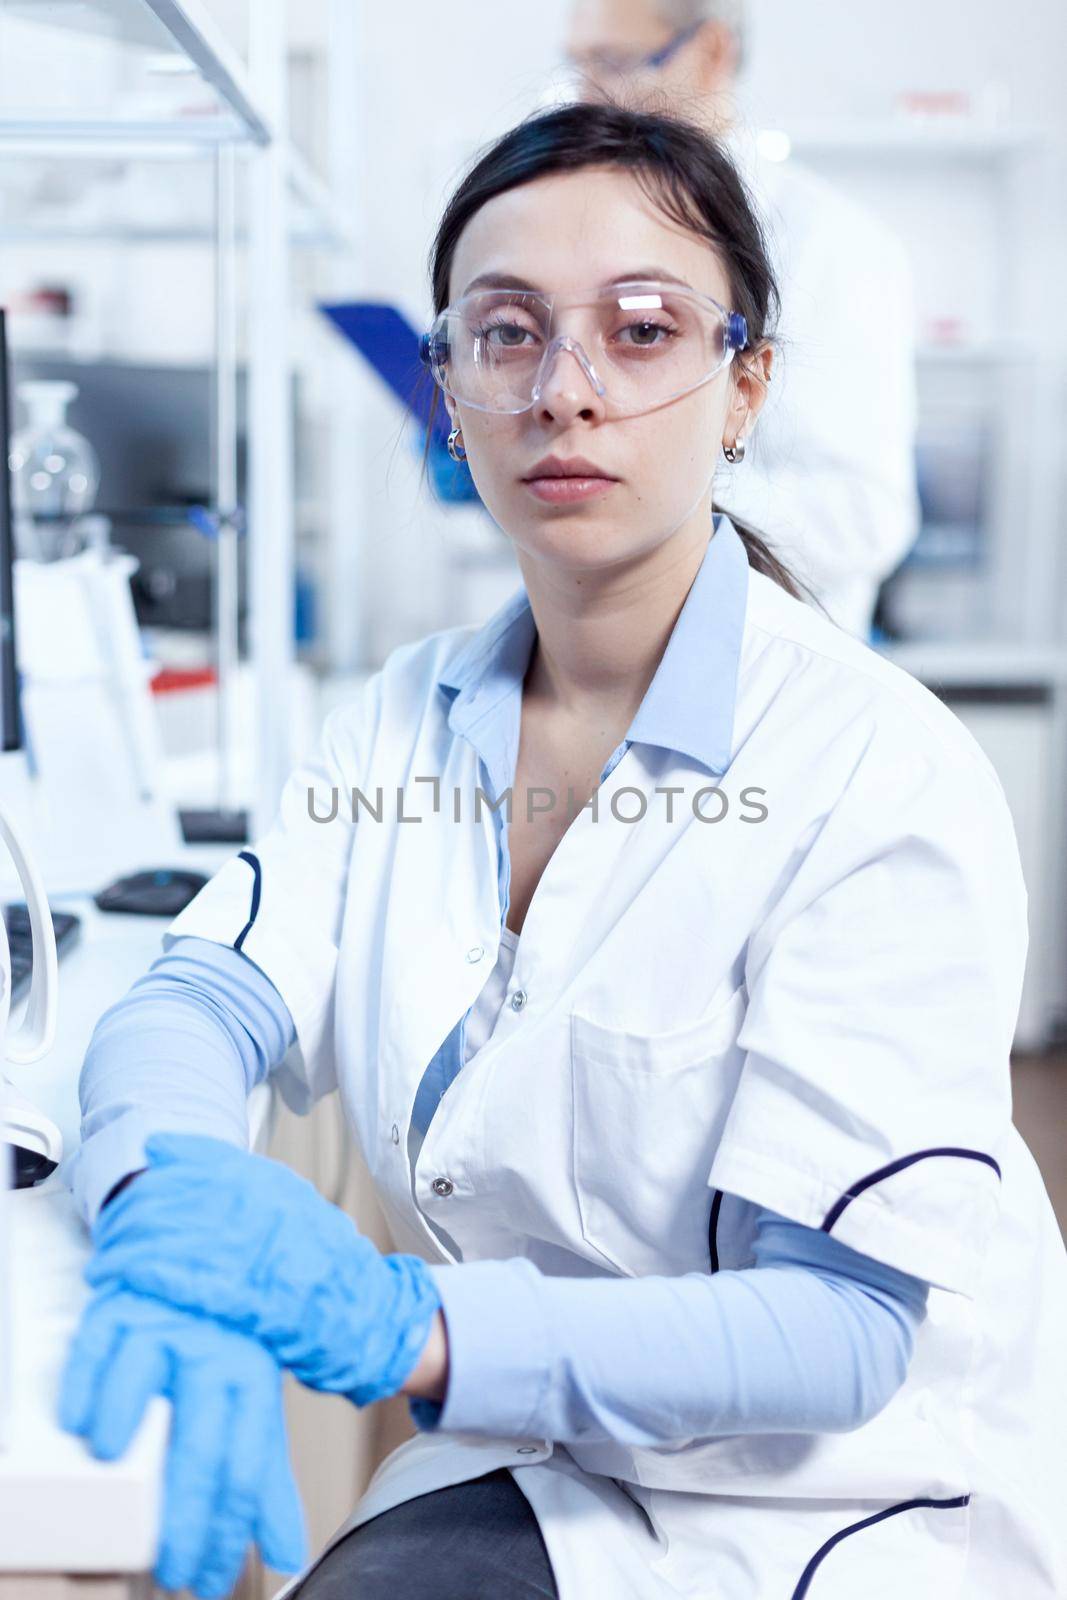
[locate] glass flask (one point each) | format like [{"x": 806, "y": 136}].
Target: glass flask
[{"x": 55, "y": 473}]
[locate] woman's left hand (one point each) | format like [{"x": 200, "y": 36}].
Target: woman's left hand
[
  {"x": 213, "y": 1228},
  {"x": 228, "y": 1479}
]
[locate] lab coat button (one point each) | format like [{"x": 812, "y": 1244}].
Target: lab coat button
[
  {"x": 518, "y": 1000},
  {"x": 475, "y": 953},
  {"x": 395, "y": 1135},
  {"x": 442, "y": 1186},
  {"x": 526, "y": 1450}
]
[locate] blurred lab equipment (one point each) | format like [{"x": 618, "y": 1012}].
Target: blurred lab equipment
[
  {"x": 6, "y": 1363},
  {"x": 56, "y": 473},
  {"x": 953, "y": 454},
  {"x": 81, "y": 752},
  {"x": 154, "y": 892},
  {"x": 18, "y": 926},
  {"x": 36, "y": 1141},
  {"x": 160, "y": 503},
  {"x": 87, "y": 704},
  {"x": 147, "y": 426},
  {"x": 31, "y": 1144},
  {"x": 27, "y": 937}
]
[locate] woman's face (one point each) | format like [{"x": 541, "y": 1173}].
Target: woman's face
[{"x": 570, "y": 233}]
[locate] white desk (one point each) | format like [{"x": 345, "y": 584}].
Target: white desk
[{"x": 61, "y": 1510}]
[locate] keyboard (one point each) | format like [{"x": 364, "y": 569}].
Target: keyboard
[{"x": 17, "y": 921}]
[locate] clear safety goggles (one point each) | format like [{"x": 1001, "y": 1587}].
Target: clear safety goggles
[{"x": 639, "y": 344}]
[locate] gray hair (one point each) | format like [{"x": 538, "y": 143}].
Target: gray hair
[{"x": 732, "y": 13}]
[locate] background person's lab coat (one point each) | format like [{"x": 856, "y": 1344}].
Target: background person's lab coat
[{"x": 829, "y": 473}]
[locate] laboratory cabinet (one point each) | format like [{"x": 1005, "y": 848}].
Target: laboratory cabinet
[{"x": 1013, "y": 700}]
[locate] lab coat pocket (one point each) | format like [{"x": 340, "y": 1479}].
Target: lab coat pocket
[
  {"x": 648, "y": 1113},
  {"x": 916, "y": 1547},
  {"x": 739, "y": 1548}
]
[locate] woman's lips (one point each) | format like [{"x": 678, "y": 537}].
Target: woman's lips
[{"x": 562, "y": 491}]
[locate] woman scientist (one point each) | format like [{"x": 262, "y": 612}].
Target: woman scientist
[{"x": 665, "y": 944}]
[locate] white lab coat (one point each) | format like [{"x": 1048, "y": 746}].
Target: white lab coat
[
  {"x": 811, "y": 1013},
  {"x": 829, "y": 473}
]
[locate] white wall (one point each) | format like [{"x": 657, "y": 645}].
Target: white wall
[{"x": 842, "y": 57}]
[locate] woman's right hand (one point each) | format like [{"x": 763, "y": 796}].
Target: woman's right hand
[
  {"x": 228, "y": 1477},
  {"x": 217, "y": 1230}
]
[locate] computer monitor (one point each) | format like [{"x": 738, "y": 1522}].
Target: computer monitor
[{"x": 10, "y": 723}]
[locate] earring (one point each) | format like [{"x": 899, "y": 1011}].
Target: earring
[
  {"x": 734, "y": 453},
  {"x": 457, "y": 455}
]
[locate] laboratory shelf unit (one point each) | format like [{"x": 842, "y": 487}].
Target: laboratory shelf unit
[
  {"x": 151, "y": 128},
  {"x": 966, "y": 191},
  {"x": 166, "y": 68},
  {"x": 974, "y": 609},
  {"x": 908, "y": 138},
  {"x": 1012, "y": 698},
  {"x": 116, "y": 180}
]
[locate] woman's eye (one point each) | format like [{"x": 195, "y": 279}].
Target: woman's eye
[
  {"x": 647, "y": 334},
  {"x": 506, "y": 335}
]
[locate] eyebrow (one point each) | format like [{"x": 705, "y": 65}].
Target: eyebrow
[{"x": 508, "y": 280}]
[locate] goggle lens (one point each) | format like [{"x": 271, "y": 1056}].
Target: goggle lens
[{"x": 645, "y": 344}]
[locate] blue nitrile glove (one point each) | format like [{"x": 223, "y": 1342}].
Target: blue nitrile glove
[
  {"x": 228, "y": 1478},
  {"x": 240, "y": 1237}
]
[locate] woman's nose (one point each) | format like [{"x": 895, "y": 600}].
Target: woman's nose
[{"x": 568, "y": 385}]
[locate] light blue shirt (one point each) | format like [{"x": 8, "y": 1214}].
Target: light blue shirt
[
  {"x": 815, "y": 1337},
  {"x": 484, "y": 685}
]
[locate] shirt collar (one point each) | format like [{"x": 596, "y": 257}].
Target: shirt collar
[{"x": 688, "y": 706}]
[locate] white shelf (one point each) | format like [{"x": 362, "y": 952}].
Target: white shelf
[
  {"x": 317, "y": 219},
  {"x": 991, "y": 662},
  {"x": 151, "y": 41},
  {"x": 196, "y": 34},
  {"x": 954, "y": 138},
  {"x": 974, "y": 355}
]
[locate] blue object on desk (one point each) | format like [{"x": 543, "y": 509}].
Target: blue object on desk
[{"x": 386, "y": 339}]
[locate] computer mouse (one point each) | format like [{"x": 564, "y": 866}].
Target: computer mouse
[{"x": 155, "y": 892}]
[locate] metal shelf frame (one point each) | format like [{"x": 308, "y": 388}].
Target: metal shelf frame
[
  {"x": 279, "y": 181},
  {"x": 196, "y": 37},
  {"x": 199, "y": 39}
]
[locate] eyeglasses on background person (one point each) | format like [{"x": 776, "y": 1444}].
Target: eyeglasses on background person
[
  {"x": 640, "y": 344},
  {"x": 604, "y": 63}
]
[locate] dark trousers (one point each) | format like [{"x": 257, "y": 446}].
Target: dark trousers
[{"x": 473, "y": 1541}]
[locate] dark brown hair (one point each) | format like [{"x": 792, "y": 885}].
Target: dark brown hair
[{"x": 682, "y": 170}]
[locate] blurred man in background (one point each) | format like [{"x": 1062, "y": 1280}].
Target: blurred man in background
[{"x": 828, "y": 479}]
